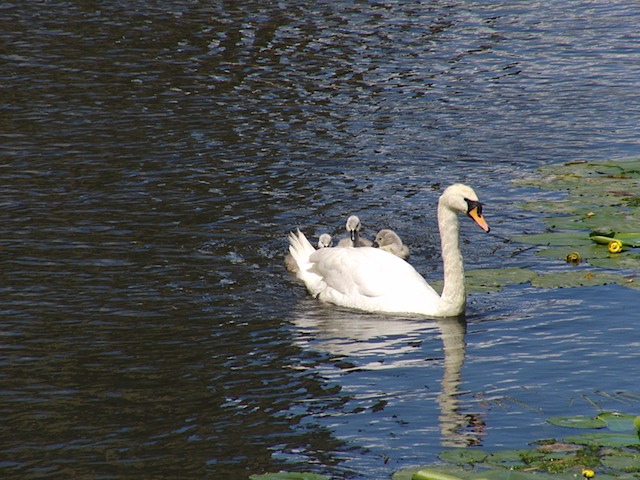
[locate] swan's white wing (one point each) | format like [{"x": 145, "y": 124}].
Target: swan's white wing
[{"x": 370, "y": 279}]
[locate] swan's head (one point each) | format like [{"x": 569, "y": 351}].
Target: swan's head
[
  {"x": 324, "y": 240},
  {"x": 353, "y": 227},
  {"x": 463, "y": 199}
]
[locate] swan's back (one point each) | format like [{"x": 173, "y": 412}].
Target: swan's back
[{"x": 370, "y": 279}]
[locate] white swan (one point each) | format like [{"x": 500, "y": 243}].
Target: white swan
[
  {"x": 355, "y": 240},
  {"x": 324, "y": 241},
  {"x": 389, "y": 241},
  {"x": 373, "y": 280}
]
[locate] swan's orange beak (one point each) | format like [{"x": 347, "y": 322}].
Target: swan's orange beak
[{"x": 476, "y": 214}]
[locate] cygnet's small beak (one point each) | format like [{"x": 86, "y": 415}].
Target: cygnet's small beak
[{"x": 375, "y": 244}]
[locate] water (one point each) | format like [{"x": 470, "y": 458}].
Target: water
[{"x": 154, "y": 157}]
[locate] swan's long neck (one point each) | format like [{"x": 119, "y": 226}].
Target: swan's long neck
[{"x": 453, "y": 298}]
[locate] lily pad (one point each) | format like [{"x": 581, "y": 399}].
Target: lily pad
[
  {"x": 491, "y": 279},
  {"x": 605, "y": 439},
  {"x": 577, "y": 421},
  {"x": 443, "y": 472},
  {"x": 624, "y": 260},
  {"x": 514, "y": 458},
  {"x": 625, "y": 461},
  {"x": 597, "y": 194},
  {"x": 580, "y": 278},
  {"x": 587, "y": 252},
  {"x": 554, "y": 238},
  {"x": 449, "y": 470},
  {"x": 289, "y": 476},
  {"x": 618, "y": 422},
  {"x": 463, "y": 456},
  {"x": 496, "y": 278}
]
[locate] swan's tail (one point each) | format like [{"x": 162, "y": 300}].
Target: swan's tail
[{"x": 300, "y": 249}]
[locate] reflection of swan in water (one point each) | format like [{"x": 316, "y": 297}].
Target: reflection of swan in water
[
  {"x": 383, "y": 342},
  {"x": 454, "y": 426}
]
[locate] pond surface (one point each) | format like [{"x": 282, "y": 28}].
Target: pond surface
[{"x": 154, "y": 157}]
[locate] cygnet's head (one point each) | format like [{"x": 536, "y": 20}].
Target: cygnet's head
[
  {"x": 389, "y": 241},
  {"x": 324, "y": 241},
  {"x": 386, "y": 237},
  {"x": 353, "y": 227}
]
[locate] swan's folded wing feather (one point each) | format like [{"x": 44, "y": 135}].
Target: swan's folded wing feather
[{"x": 365, "y": 271}]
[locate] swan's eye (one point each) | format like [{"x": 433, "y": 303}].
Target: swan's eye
[{"x": 471, "y": 204}]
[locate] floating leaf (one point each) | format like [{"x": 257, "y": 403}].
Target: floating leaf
[
  {"x": 605, "y": 439},
  {"x": 463, "y": 456},
  {"x": 625, "y": 461},
  {"x": 598, "y": 194},
  {"x": 431, "y": 474},
  {"x": 289, "y": 476},
  {"x": 624, "y": 260},
  {"x": 581, "y": 278},
  {"x": 587, "y": 252},
  {"x": 618, "y": 422},
  {"x": 496, "y": 278},
  {"x": 577, "y": 421},
  {"x": 449, "y": 470},
  {"x": 513, "y": 458},
  {"x": 554, "y": 238}
]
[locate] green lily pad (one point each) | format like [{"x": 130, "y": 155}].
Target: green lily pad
[
  {"x": 554, "y": 238},
  {"x": 431, "y": 474},
  {"x": 618, "y": 422},
  {"x": 449, "y": 470},
  {"x": 597, "y": 194},
  {"x": 577, "y": 421},
  {"x": 289, "y": 476},
  {"x": 578, "y": 278},
  {"x": 605, "y": 439},
  {"x": 622, "y": 460},
  {"x": 491, "y": 279},
  {"x": 463, "y": 456},
  {"x": 587, "y": 252},
  {"x": 496, "y": 278},
  {"x": 623, "y": 260},
  {"x": 513, "y": 458},
  {"x": 446, "y": 472}
]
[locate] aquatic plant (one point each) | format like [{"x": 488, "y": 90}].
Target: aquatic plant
[
  {"x": 593, "y": 228},
  {"x": 611, "y": 452}
]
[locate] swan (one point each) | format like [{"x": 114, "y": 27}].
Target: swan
[
  {"x": 373, "y": 280},
  {"x": 354, "y": 240},
  {"x": 324, "y": 241},
  {"x": 389, "y": 241}
]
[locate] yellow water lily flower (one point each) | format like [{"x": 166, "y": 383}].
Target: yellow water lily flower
[
  {"x": 615, "y": 246},
  {"x": 588, "y": 473},
  {"x": 574, "y": 258}
]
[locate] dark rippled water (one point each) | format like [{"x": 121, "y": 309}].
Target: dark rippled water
[{"x": 154, "y": 155}]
